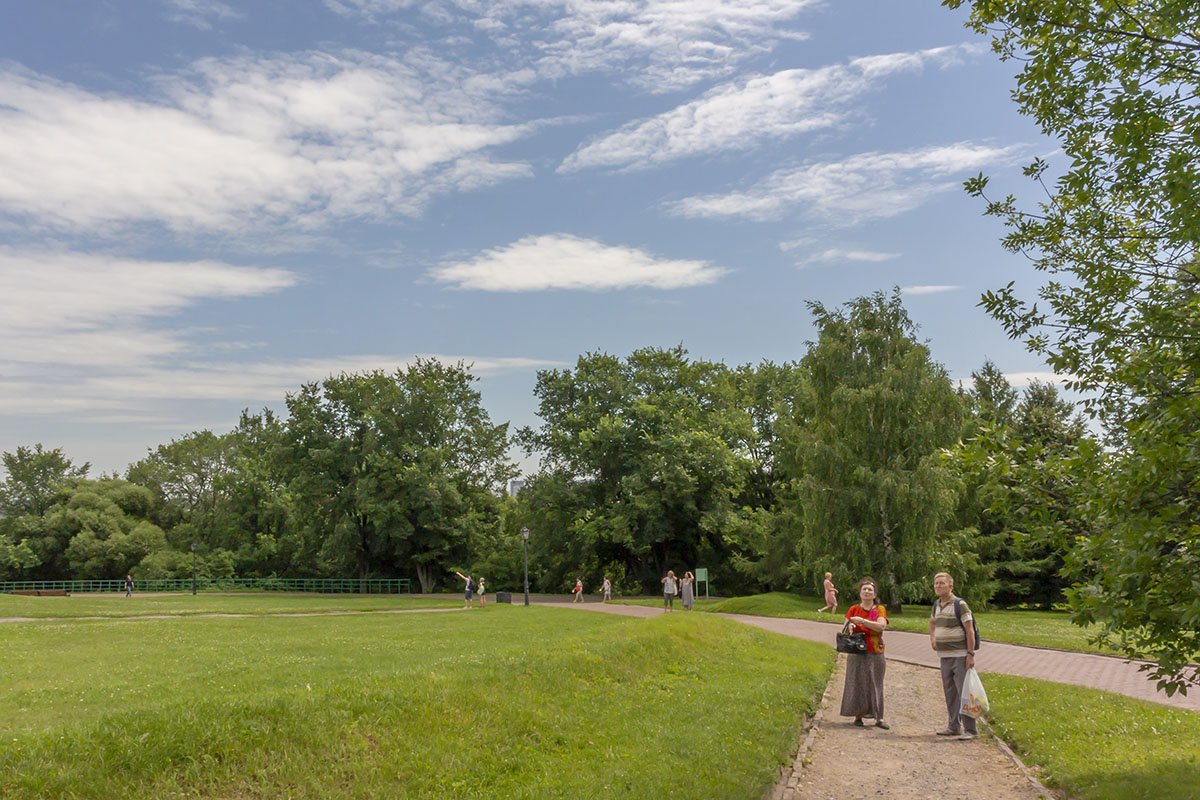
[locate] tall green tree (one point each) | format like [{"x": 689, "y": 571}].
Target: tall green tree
[
  {"x": 873, "y": 494},
  {"x": 392, "y": 474},
  {"x": 642, "y": 460},
  {"x": 187, "y": 475},
  {"x": 34, "y": 477},
  {"x": 1027, "y": 492},
  {"x": 1116, "y": 233}
]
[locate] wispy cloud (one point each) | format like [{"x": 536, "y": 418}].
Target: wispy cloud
[
  {"x": 861, "y": 187},
  {"x": 81, "y": 310},
  {"x": 248, "y": 143},
  {"x": 835, "y": 255},
  {"x": 658, "y": 45},
  {"x": 742, "y": 115},
  {"x": 200, "y": 13},
  {"x": 936, "y": 288},
  {"x": 137, "y": 393},
  {"x": 558, "y": 261},
  {"x": 94, "y": 337}
]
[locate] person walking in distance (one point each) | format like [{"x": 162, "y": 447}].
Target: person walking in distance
[
  {"x": 606, "y": 589},
  {"x": 578, "y": 591},
  {"x": 831, "y": 594},
  {"x": 128, "y": 585},
  {"x": 952, "y": 637},
  {"x": 481, "y": 591}
]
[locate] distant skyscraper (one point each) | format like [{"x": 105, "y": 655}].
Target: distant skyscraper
[{"x": 515, "y": 486}]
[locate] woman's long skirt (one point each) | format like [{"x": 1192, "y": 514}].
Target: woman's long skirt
[{"x": 863, "y": 693}]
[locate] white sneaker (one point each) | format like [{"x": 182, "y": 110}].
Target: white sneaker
[{"x": 966, "y": 737}]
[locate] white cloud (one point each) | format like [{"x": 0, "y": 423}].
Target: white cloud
[
  {"x": 935, "y": 288},
  {"x": 840, "y": 254},
  {"x": 861, "y": 187},
  {"x": 200, "y": 13},
  {"x": 91, "y": 310},
  {"x": 136, "y": 393},
  {"x": 559, "y": 261},
  {"x": 248, "y": 143},
  {"x": 739, "y": 116},
  {"x": 658, "y": 45}
]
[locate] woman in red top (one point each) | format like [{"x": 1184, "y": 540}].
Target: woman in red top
[{"x": 862, "y": 695}]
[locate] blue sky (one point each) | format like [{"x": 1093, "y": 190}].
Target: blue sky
[{"x": 205, "y": 204}]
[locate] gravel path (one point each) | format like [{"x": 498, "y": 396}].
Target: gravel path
[{"x": 908, "y": 762}]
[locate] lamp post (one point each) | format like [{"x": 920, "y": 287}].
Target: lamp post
[
  {"x": 193, "y": 569},
  {"x": 525, "y": 552}
]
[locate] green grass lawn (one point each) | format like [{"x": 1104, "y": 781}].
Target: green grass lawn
[
  {"x": 1097, "y": 745},
  {"x": 116, "y": 605},
  {"x": 500, "y": 702},
  {"x": 1037, "y": 628}
]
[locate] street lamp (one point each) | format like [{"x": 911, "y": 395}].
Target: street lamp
[
  {"x": 525, "y": 552},
  {"x": 193, "y": 569}
]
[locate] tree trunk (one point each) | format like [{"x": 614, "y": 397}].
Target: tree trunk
[{"x": 425, "y": 578}]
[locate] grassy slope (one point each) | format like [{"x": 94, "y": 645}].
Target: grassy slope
[
  {"x": 1098, "y": 745},
  {"x": 113, "y": 605},
  {"x": 505, "y": 702},
  {"x": 1038, "y": 628}
]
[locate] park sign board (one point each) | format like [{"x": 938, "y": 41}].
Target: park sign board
[{"x": 701, "y": 573}]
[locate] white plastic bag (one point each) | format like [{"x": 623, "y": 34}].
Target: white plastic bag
[{"x": 974, "y": 698}]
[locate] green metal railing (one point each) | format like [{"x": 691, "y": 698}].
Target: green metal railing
[{"x": 318, "y": 585}]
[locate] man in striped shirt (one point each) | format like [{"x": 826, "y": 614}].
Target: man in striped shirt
[{"x": 952, "y": 637}]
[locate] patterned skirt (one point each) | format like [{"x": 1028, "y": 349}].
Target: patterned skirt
[{"x": 863, "y": 693}]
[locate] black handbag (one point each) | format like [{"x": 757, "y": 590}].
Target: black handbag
[{"x": 853, "y": 643}]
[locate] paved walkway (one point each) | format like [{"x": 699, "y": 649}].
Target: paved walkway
[{"x": 1081, "y": 669}]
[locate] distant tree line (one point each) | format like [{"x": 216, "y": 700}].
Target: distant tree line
[{"x": 860, "y": 458}]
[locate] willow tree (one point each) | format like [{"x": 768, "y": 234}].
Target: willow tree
[{"x": 872, "y": 492}]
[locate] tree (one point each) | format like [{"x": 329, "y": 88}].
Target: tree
[
  {"x": 642, "y": 459},
  {"x": 187, "y": 475},
  {"x": 34, "y": 477},
  {"x": 392, "y": 472},
  {"x": 1027, "y": 487},
  {"x": 872, "y": 492},
  {"x": 1116, "y": 85}
]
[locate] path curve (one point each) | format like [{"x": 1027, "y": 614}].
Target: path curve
[{"x": 1094, "y": 671}]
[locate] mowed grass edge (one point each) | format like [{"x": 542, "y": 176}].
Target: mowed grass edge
[
  {"x": 525, "y": 703},
  {"x": 1097, "y": 745}
]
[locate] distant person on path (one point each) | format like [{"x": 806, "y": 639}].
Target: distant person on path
[
  {"x": 831, "y": 593},
  {"x": 862, "y": 695},
  {"x": 606, "y": 589},
  {"x": 689, "y": 597},
  {"x": 129, "y": 586},
  {"x": 578, "y": 590},
  {"x": 470, "y": 589},
  {"x": 952, "y": 637},
  {"x": 481, "y": 590},
  {"x": 670, "y": 589}
]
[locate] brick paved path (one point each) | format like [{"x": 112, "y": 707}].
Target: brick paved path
[{"x": 1081, "y": 669}]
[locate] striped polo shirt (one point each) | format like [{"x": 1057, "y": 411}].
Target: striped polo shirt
[{"x": 949, "y": 637}]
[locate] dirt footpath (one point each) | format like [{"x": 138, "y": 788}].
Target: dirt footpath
[{"x": 908, "y": 762}]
